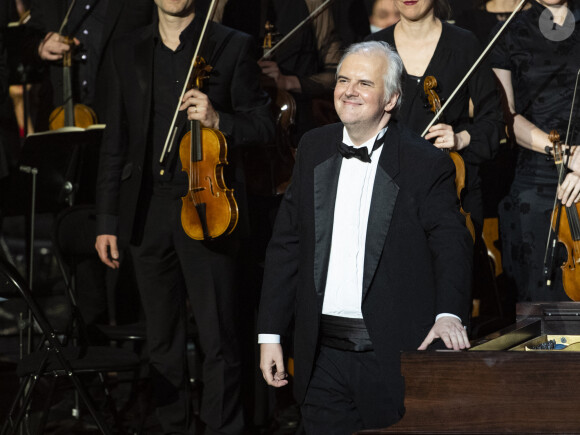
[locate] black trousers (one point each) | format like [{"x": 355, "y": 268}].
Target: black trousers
[
  {"x": 170, "y": 268},
  {"x": 348, "y": 392}
]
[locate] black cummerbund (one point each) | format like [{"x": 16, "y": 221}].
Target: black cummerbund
[{"x": 345, "y": 333}]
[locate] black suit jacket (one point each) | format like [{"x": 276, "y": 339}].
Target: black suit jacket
[
  {"x": 417, "y": 258},
  {"x": 233, "y": 90},
  {"x": 122, "y": 17}
]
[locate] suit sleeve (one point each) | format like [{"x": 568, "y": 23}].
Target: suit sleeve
[
  {"x": 282, "y": 263},
  {"x": 449, "y": 241},
  {"x": 112, "y": 157}
]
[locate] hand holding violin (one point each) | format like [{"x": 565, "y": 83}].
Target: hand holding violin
[
  {"x": 199, "y": 108},
  {"x": 569, "y": 190},
  {"x": 446, "y": 138},
  {"x": 53, "y": 46}
]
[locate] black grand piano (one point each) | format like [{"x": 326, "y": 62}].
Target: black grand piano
[{"x": 523, "y": 379}]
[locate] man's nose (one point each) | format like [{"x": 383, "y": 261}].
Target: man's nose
[{"x": 351, "y": 89}]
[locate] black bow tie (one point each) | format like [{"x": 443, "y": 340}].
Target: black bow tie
[{"x": 361, "y": 153}]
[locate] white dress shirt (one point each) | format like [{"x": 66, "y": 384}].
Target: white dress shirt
[{"x": 344, "y": 281}]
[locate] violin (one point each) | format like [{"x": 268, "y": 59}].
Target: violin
[
  {"x": 70, "y": 114},
  {"x": 209, "y": 208},
  {"x": 566, "y": 225},
  {"x": 429, "y": 86},
  {"x": 268, "y": 167}
]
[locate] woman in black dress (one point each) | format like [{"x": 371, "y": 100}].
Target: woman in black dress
[
  {"x": 429, "y": 46},
  {"x": 537, "y": 60}
]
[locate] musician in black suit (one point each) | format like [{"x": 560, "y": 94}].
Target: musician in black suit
[
  {"x": 93, "y": 24},
  {"x": 369, "y": 257},
  {"x": 139, "y": 206}
]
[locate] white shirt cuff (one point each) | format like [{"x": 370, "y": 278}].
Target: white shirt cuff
[
  {"x": 268, "y": 338},
  {"x": 447, "y": 315}
]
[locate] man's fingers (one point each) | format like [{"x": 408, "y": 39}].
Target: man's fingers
[
  {"x": 272, "y": 364},
  {"x": 428, "y": 340}
]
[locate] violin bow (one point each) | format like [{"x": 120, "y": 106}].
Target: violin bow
[
  {"x": 65, "y": 20},
  {"x": 475, "y": 65},
  {"x": 173, "y": 129},
  {"x": 309, "y": 18}
]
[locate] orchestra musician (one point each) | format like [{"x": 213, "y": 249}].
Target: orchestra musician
[
  {"x": 93, "y": 24},
  {"x": 367, "y": 258},
  {"x": 384, "y": 14},
  {"x": 428, "y": 47},
  {"x": 537, "y": 65},
  {"x": 140, "y": 207},
  {"x": 305, "y": 65}
]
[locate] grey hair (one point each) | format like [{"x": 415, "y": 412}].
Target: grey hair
[{"x": 392, "y": 76}]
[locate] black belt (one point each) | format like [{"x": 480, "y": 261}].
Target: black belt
[{"x": 345, "y": 333}]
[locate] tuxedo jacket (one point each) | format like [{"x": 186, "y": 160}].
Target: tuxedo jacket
[
  {"x": 233, "y": 89},
  {"x": 122, "y": 17},
  {"x": 418, "y": 252}
]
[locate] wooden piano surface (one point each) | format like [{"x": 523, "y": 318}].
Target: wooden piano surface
[{"x": 490, "y": 389}]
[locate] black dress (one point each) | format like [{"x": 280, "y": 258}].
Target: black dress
[
  {"x": 543, "y": 77},
  {"x": 456, "y": 52}
]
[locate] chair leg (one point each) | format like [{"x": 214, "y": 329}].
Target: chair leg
[
  {"x": 9, "y": 422},
  {"x": 109, "y": 400},
  {"x": 97, "y": 416},
  {"x": 23, "y": 396},
  {"x": 46, "y": 410}
]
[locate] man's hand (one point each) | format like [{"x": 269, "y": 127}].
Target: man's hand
[
  {"x": 107, "y": 244},
  {"x": 199, "y": 108},
  {"x": 451, "y": 331},
  {"x": 286, "y": 82},
  {"x": 53, "y": 46},
  {"x": 272, "y": 364}
]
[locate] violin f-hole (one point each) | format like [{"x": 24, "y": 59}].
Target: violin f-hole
[{"x": 210, "y": 182}]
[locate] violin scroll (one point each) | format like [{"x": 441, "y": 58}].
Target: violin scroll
[{"x": 429, "y": 86}]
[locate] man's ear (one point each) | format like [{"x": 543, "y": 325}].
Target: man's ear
[{"x": 390, "y": 105}]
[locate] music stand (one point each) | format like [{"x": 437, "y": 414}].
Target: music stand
[
  {"x": 67, "y": 164},
  {"x": 57, "y": 169}
]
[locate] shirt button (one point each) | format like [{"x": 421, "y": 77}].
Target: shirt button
[
  {"x": 85, "y": 83},
  {"x": 86, "y": 32},
  {"x": 84, "y": 57},
  {"x": 87, "y": 7}
]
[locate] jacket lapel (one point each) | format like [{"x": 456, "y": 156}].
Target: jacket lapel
[
  {"x": 325, "y": 185},
  {"x": 385, "y": 192}
]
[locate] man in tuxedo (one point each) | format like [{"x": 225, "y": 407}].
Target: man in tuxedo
[
  {"x": 139, "y": 202},
  {"x": 370, "y": 256}
]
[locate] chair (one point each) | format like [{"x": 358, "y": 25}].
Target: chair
[
  {"x": 52, "y": 359},
  {"x": 73, "y": 238},
  {"x": 73, "y": 242}
]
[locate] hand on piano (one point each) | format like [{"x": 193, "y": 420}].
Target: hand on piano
[{"x": 451, "y": 331}]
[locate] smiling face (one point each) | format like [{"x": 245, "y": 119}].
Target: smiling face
[
  {"x": 360, "y": 95},
  {"x": 415, "y": 10}
]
